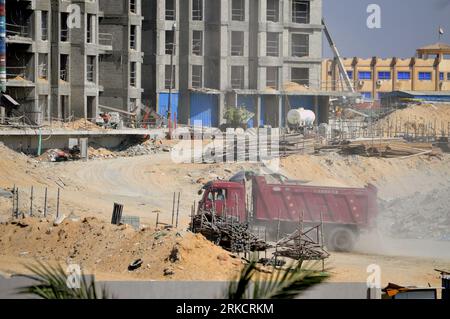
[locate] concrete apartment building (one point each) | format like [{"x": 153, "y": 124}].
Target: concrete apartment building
[
  {"x": 59, "y": 62},
  {"x": 264, "y": 55},
  {"x": 120, "y": 71},
  {"x": 429, "y": 71}
]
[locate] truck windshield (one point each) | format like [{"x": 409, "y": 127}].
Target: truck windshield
[{"x": 217, "y": 195}]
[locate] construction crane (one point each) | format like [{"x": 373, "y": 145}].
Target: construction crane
[{"x": 337, "y": 56}]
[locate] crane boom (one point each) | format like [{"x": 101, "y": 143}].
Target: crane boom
[{"x": 337, "y": 56}]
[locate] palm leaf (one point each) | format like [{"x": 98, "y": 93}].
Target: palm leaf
[
  {"x": 51, "y": 283},
  {"x": 286, "y": 283}
]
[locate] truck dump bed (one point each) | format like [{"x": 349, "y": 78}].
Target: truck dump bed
[{"x": 290, "y": 201}]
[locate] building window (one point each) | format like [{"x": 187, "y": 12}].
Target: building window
[
  {"x": 43, "y": 66},
  {"x": 300, "y": 45},
  {"x": 404, "y": 76},
  {"x": 350, "y": 74},
  {"x": 170, "y": 41},
  {"x": 300, "y": 76},
  {"x": 366, "y": 95},
  {"x": 300, "y": 11},
  {"x": 425, "y": 76},
  {"x": 273, "y": 44},
  {"x": 238, "y": 10},
  {"x": 448, "y": 76},
  {"x": 272, "y": 77},
  {"x": 133, "y": 42},
  {"x": 89, "y": 28},
  {"x": 383, "y": 75},
  {"x": 365, "y": 75},
  {"x": 273, "y": 10},
  {"x": 133, "y": 6},
  {"x": 133, "y": 74},
  {"x": 441, "y": 76},
  {"x": 237, "y": 76},
  {"x": 64, "y": 67},
  {"x": 44, "y": 25},
  {"x": 197, "y": 10},
  {"x": 197, "y": 76},
  {"x": 169, "y": 78},
  {"x": 197, "y": 43},
  {"x": 237, "y": 43},
  {"x": 170, "y": 10},
  {"x": 90, "y": 68},
  {"x": 64, "y": 30}
]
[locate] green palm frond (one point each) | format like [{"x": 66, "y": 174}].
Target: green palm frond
[
  {"x": 286, "y": 283},
  {"x": 51, "y": 283}
]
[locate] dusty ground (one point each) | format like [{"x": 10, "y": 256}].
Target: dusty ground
[{"x": 146, "y": 184}]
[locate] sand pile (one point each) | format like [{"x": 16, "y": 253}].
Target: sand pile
[
  {"x": 420, "y": 117},
  {"x": 100, "y": 152},
  {"x": 82, "y": 124},
  {"x": 108, "y": 249},
  {"x": 292, "y": 87}
]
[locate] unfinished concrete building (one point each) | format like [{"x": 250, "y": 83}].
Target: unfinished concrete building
[
  {"x": 28, "y": 56},
  {"x": 120, "y": 72},
  {"x": 61, "y": 60},
  {"x": 264, "y": 55}
]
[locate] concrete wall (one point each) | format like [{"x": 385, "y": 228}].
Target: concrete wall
[{"x": 194, "y": 290}]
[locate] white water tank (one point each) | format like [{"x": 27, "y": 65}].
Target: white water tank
[{"x": 301, "y": 117}]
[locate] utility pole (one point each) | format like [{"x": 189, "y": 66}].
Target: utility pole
[{"x": 169, "y": 109}]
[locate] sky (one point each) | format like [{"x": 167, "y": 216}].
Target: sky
[{"x": 405, "y": 26}]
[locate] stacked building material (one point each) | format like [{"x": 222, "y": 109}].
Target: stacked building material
[
  {"x": 301, "y": 245},
  {"x": 227, "y": 232},
  {"x": 387, "y": 149}
]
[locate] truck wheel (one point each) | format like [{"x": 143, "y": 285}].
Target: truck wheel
[{"x": 341, "y": 239}]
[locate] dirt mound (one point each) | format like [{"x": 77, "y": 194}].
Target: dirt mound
[
  {"x": 419, "y": 118},
  {"x": 413, "y": 192},
  {"x": 108, "y": 249},
  {"x": 82, "y": 124},
  {"x": 16, "y": 168}
]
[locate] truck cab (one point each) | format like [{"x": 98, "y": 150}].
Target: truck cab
[{"x": 224, "y": 197}]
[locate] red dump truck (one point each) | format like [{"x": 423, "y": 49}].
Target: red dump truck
[{"x": 263, "y": 200}]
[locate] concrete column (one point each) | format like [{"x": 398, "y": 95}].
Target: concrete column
[
  {"x": 280, "y": 111},
  {"x": 316, "y": 108},
  {"x": 2, "y": 114},
  {"x": 258, "y": 110},
  {"x": 221, "y": 108}
]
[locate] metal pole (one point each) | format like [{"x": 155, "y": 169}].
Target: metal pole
[
  {"x": 278, "y": 236},
  {"x": 321, "y": 238},
  {"x": 31, "y": 201},
  {"x": 45, "y": 203},
  {"x": 57, "y": 205},
  {"x": 173, "y": 208},
  {"x": 157, "y": 220},
  {"x": 178, "y": 208},
  {"x": 14, "y": 201}
]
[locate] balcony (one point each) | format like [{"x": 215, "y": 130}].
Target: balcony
[
  {"x": 18, "y": 76},
  {"x": 18, "y": 34}
]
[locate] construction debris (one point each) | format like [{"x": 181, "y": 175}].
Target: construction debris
[
  {"x": 227, "y": 232},
  {"x": 387, "y": 148},
  {"x": 302, "y": 245}
]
